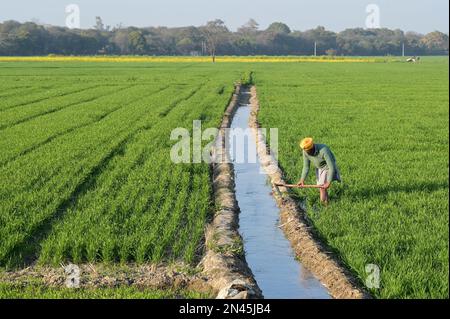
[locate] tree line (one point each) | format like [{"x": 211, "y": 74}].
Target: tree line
[{"x": 214, "y": 38}]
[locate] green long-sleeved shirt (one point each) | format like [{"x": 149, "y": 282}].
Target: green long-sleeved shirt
[{"x": 323, "y": 157}]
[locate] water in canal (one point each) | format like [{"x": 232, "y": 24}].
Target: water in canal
[{"x": 268, "y": 252}]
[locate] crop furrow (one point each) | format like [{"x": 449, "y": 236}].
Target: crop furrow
[
  {"x": 183, "y": 99},
  {"x": 27, "y": 249},
  {"x": 97, "y": 119},
  {"x": 32, "y": 117},
  {"x": 48, "y": 98},
  {"x": 12, "y": 92}
]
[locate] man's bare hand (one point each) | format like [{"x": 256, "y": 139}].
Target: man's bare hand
[
  {"x": 301, "y": 183},
  {"x": 326, "y": 186}
]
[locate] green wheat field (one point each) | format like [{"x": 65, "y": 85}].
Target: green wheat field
[{"x": 86, "y": 174}]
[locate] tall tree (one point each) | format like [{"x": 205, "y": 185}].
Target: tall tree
[
  {"x": 99, "y": 26},
  {"x": 436, "y": 42},
  {"x": 215, "y": 32},
  {"x": 278, "y": 27},
  {"x": 249, "y": 28},
  {"x": 324, "y": 40},
  {"x": 136, "y": 42}
]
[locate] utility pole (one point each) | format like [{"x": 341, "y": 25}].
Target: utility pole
[
  {"x": 315, "y": 48},
  {"x": 403, "y": 49}
]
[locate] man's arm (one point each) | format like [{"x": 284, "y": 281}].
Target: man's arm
[
  {"x": 305, "y": 171},
  {"x": 331, "y": 166}
]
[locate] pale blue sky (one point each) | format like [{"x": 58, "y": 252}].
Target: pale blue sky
[{"x": 415, "y": 15}]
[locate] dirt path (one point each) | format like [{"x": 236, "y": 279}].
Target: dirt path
[{"x": 98, "y": 276}]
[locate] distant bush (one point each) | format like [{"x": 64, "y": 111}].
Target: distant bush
[{"x": 247, "y": 78}]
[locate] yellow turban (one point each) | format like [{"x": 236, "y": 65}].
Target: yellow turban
[{"x": 307, "y": 144}]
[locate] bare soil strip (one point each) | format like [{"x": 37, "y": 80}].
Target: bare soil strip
[
  {"x": 224, "y": 262},
  {"x": 312, "y": 253},
  {"x": 99, "y": 276}
]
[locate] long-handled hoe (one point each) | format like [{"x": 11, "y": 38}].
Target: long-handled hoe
[
  {"x": 298, "y": 186},
  {"x": 277, "y": 185}
]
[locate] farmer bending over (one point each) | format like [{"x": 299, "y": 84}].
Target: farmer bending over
[{"x": 325, "y": 163}]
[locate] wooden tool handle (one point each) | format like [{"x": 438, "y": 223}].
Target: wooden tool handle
[{"x": 298, "y": 186}]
